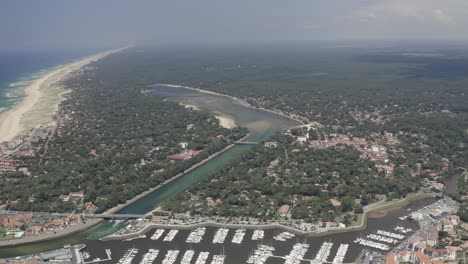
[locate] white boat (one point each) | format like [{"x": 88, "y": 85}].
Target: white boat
[
  {"x": 220, "y": 236},
  {"x": 128, "y": 256},
  {"x": 238, "y": 236},
  {"x": 157, "y": 234},
  {"x": 323, "y": 252},
  {"x": 170, "y": 236},
  {"x": 261, "y": 254},
  {"x": 283, "y": 236},
  {"x": 297, "y": 253},
  {"x": 187, "y": 257},
  {"x": 371, "y": 244},
  {"x": 202, "y": 257},
  {"x": 149, "y": 257},
  {"x": 171, "y": 257},
  {"x": 390, "y": 234},
  {"x": 196, "y": 235},
  {"x": 258, "y": 234},
  {"x": 218, "y": 259},
  {"x": 340, "y": 254}
]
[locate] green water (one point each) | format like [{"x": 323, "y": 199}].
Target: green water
[{"x": 261, "y": 125}]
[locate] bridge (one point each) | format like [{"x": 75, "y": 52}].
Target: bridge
[
  {"x": 246, "y": 143},
  {"x": 118, "y": 216}
]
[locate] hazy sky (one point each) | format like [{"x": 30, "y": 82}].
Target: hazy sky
[{"x": 108, "y": 23}]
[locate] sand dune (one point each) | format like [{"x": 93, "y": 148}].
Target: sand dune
[{"x": 42, "y": 97}]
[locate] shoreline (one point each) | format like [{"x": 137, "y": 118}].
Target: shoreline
[
  {"x": 41, "y": 99},
  {"x": 386, "y": 206},
  {"x": 237, "y": 100}
]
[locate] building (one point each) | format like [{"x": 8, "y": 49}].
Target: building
[
  {"x": 12, "y": 225},
  {"x": 283, "y": 210},
  {"x": 34, "y": 230},
  {"x": 335, "y": 202}
]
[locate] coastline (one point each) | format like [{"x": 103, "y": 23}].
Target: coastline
[{"x": 42, "y": 97}]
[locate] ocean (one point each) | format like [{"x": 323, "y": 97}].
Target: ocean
[{"x": 18, "y": 68}]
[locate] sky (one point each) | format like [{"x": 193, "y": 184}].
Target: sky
[{"x": 52, "y": 24}]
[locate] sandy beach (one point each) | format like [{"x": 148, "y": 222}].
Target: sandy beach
[
  {"x": 41, "y": 99},
  {"x": 225, "y": 121}
]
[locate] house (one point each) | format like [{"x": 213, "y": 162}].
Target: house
[
  {"x": 391, "y": 258},
  {"x": 444, "y": 254},
  {"x": 6, "y": 168},
  {"x": 73, "y": 219},
  {"x": 23, "y": 218},
  {"x": 335, "y": 202},
  {"x": 89, "y": 207},
  {"x": 271, "y": 144},
  {"x": 55, "y": 225},
  {"x": 34, "y": 230},
  {"x": 12, "y": 225},
  {"x": 420, "y": 258},
  {"x": 183, "y": 145},
  {"x": 455, "y": 219},
  {"x": 76, "y": 195},
  {"x": 65, "y": 197},
  {"x": 283, "y": 210},
  {"x": 301, "y": 139},
  {"x": 184, "y": 155}
]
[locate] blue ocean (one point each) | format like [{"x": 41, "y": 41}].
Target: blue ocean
[{"x": 17, "y": 68}]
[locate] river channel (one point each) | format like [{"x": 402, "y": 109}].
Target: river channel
[{"x": 261, "y": 125}]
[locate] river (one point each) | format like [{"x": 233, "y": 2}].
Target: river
[{"x": 261, "y": 125}]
